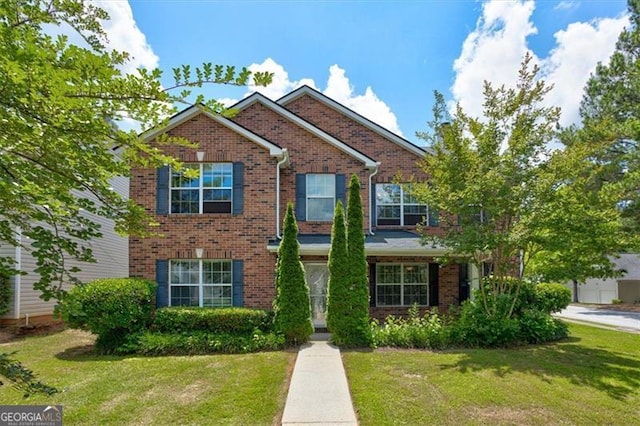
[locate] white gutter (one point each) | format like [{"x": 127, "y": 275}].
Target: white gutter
[
  {"x": 281, "y": 163},
  {"x": 17, "y": 277},
  {"x": 371, "y": 195}
]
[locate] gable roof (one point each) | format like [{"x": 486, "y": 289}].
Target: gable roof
[
  {"x": 279, "y": 109},
  {"x": 398, "y": 140},
  {"x": 195, "y": 110}
]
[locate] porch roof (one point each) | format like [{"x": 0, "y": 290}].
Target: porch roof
[{"x": 382, "y": 243}]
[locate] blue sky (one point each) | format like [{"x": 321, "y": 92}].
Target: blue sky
[{"x": 382, "y": 58}]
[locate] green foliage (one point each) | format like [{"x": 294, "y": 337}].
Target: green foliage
[
  {"x": 537, "y": 326},
  {"x": 23, "y": 379},
  {"x": 200, "y": 343},
  {"x": 427, "y": 332},
  {"x": 61, "y": 109},
  {"x": 475, "y": 328},
  {"x": 212, "y": 320},
  {"x": 616, "y": 301},
  {"x": 5, "y": 293},
  {"x": 292, "y": 307},
  {"x": 339, "y": 274},
  {"x": 359, "y": 332},
  {"x": 112, "y": 308},
  {"x": 552, "y": 297}
]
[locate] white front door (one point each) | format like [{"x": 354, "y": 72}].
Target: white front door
[{"x": 317, "y": 278}]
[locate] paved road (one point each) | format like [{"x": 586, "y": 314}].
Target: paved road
[{"x": 618, "y": 319}]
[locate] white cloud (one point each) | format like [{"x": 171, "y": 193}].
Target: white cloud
[
  {"x": 124, "y": 35},
  {"x": 494, "y": 50},
  {"x": 578, "y": 49},
  {"x": 338, "y": 88},
  {"x": 566, "y": 5}
]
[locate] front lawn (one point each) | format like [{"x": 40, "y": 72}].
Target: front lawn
[
  {"x": 591, "y": 378},
  {"x": 212, "y": 389}
]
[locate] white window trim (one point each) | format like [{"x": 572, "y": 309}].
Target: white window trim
[
  {"x": 401, "y": 284},
  {"x": 200, "y": 283},
  {"x": 200, "y": 188},
  {"x": 402, "y": 204},
  {"x": 315, "y": 197}
]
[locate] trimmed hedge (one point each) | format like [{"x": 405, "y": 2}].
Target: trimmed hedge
[
  {"x": 200, "y": 343},
  {"x": 112, "y": 308},
  {"x": 427, "y": 332},
  {"x": 552, "y": 298},
  {"x": 232, "y": 321}
]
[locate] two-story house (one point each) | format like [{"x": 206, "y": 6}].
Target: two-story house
[{"x": 220, "y": 231}]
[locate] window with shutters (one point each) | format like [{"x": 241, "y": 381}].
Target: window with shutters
[
  {"x": 204, "y": 283},
  {"x": 396, "y": 205},
  {"x": 202, "y": 188},
  {"x": 402, "y": 284},
  {"x": 321, "y": 197}
]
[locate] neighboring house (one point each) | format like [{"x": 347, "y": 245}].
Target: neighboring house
[
  {"x": 112, "y": 260},
  {"x": 220, "y": 231},
  {"x": 625, "y": 288}
]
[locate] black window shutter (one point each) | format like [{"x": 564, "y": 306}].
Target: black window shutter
[
  {"x": 162, "y": 190},
  {"x": 434, "y": 284},
  {"x": 301, "y": 197},
  {"x": 372, "y": 285},
  {"x": 237, "y": 271},
  {"x": 238, "y": 188},
  {"x": 374, "y": 209},
  {"x": 464, "y": 284},
  {"x": 433, "y": 217},
  {"x": 162, "y": 279},
  {"x": 341, "y": 189}
]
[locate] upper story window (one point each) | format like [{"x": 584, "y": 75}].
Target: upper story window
[
  {"x": 321, "y": 197},
  {"x": 204, "y": 283},
  {"x": 397, "y": 206},
  {"x": 208, "y": 192}
]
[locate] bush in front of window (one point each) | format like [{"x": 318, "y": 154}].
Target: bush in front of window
[
  {"x": 426, "y": 332},
  {"x": 111, "y": 308},
  {"x": 292, "y": 307},
  {"x": 233, "y": 321}
]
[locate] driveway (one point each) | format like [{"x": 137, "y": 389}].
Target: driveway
[{"x": 629, "y": 321}]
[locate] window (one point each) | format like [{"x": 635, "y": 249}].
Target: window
[
  {"x": 204, "y": 283},
  {"x": 402, "y": 284},
  {"x": 208, "y": 192},
  {"x": 395, "y": 205},
  {"x": 321, "y": 197}
]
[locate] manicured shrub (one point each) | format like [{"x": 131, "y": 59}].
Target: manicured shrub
[
  {"x": 475, "y": 328},
  {"x": 292, "y": 307},
  {"x": 539, "y": 327},
  {"x": 200, "y": 343},
  {"x": 112, "y": 308},
  {"x": 213, "y": 320},
  {"x": 427, "y": 332},
  {"x": 337, "y": 287},
  {"x": 5, "y": 293},
  {"x": 551, "y": 298}
]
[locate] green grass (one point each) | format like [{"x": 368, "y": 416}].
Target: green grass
[
  {"x": 591, "y": 378},
  {"x": 100, "y": 390}
]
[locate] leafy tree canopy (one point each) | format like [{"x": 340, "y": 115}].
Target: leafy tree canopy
[{"x": 59, "y": 105}]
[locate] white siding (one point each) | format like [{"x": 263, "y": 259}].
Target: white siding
[{"x": 112, "y": 260}]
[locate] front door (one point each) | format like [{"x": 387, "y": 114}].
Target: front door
[{"x": 317, "y": 278}]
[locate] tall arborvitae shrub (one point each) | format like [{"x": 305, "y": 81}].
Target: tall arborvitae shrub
[
  {"x": 359, "y": 330},
  {"x": 293, "y": 306},
  {"x": 337, "y": 288}
]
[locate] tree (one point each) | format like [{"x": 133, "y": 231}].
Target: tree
[
  {"x": 22, "y": 378},
  {"x": 610, "y": 112},
  {"x": 360, "y": 332},
  {"x": 339, "y": 275},
  {"x": 59, "y": 108},
  {"x": 509, "y": 197},
  {"x": 293, "y": 305}
]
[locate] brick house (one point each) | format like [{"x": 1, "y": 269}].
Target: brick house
[{"x": 220, "y": 231}]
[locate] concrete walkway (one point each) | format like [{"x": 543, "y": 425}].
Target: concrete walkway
[
  {"x": 319, "y": 393},
  {"x": 622, "y": 320}
]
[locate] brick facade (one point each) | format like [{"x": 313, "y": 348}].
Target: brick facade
[{"x": 245, "y": 236}]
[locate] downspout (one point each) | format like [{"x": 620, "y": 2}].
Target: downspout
[
  {"x": 281, "y": 163},
  {"x": 17, "y": 277},
  {"x": 371, "y": 195}
]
